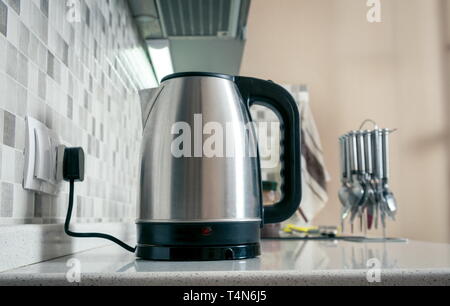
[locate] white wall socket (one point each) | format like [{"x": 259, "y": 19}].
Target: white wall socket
[{"x": 43, "y": 158}]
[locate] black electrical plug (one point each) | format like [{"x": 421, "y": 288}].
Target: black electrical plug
[
  {"x": 73, "y": 171},
  {"x": 73, "y": 165}
]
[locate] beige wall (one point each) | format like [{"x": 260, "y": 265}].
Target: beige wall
[{"x": 393, "y": 72}]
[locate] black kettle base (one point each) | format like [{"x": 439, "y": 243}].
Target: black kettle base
[
  {"x": 198, "y": 253},
  {"x": 198, "y": 241}
]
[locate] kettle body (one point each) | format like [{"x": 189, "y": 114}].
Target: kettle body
[{"x": 200, "y": 192}]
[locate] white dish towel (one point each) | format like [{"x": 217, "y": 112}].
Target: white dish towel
[{"x": 314, "y": 173}]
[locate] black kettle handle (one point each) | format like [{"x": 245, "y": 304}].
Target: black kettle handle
[{"x": 267, "y": 93}]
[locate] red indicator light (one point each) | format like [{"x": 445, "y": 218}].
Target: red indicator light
[{"x": 206, "y": 231}]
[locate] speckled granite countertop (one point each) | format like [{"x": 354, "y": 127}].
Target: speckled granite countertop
[{"x": 284, "y": 262}]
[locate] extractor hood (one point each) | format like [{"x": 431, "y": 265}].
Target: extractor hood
[{"x": 207, "y": 35}]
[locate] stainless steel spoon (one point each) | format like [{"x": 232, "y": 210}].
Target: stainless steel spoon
[
  {"x": 344, "y": 192},
  {"x": 357, "y": 191},
  {"x": 371, "y": 202},
  {"x": 391, "y": 203},
  {"x": 362, "y": 177},
  {"x": 378, "y": 177}
]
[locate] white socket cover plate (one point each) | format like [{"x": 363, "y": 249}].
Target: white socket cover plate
[{"x": 41, "y": 148}]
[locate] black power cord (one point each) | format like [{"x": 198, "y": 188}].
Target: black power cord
[{"x": 73, "y": 170}]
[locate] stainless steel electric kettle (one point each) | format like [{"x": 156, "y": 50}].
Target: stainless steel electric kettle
[{"x": 197, "y": 205}]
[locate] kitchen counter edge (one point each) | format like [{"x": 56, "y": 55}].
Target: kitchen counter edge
[{"x": 237, "y": 278}]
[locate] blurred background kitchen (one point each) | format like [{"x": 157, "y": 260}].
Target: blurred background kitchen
[
  {"x": 395, "y": 72},
  {"x": 78, "y": 65}
]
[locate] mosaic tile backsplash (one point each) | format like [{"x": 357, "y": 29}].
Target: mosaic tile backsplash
[{"x": 71, "y": 74}]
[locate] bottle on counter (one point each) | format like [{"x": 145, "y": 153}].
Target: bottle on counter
[{"x": 270, "y": 197}]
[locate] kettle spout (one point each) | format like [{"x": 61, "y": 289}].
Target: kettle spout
[{"x": 148, "y": 98}]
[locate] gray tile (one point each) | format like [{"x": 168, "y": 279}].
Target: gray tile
[
  {"x": 71, "y": 35},
  {"x": 261, "y": 115},
  {"x": 56, "y": 70},
  {"x": 42, "y": 54},
  {"x": 95, "y": 50},
  {"x": 9, "y": 129},
  {"x": 50, "y": 64},
  {"x": 86, "y": 100},
  {"x": 93, "y": 126},
  {"x": 22, "y": 70},
  {"x": 89, "y": 147},
  {"x": 20, "y": 134},
  {"x": 49, "y": 117},
  {"x": 65, "y": 57},
  {"x": 69, "y": 107},
  {"x": 91, "y": 83},
  {"x": 7, "y": 198},
  {"x": 15, "y": 5},
  {"x": 18, "y": 167},
  {"x": 3, "y": 18},
  {"x": 22, "y": 101},
  {"x": 11, "y": 61},
  {"x": 70, "y": 89},
  {"x": 38, "y": 206},
  {"x": 44, "y": 7},
  {"x": 42, "y": 85},
  {"x": 44, "y": 29},
  {"x": 46, "y": 206},
  {"x": 24, "y": 39},
  {"x": 33, "y": 48},
  {"x": 88, "y": 16}
]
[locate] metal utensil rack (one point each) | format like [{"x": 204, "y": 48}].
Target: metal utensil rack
[{"x": 365, "y": 169}]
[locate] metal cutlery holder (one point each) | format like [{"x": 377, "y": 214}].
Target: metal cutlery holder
[{"x": 365, "y": 193}]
